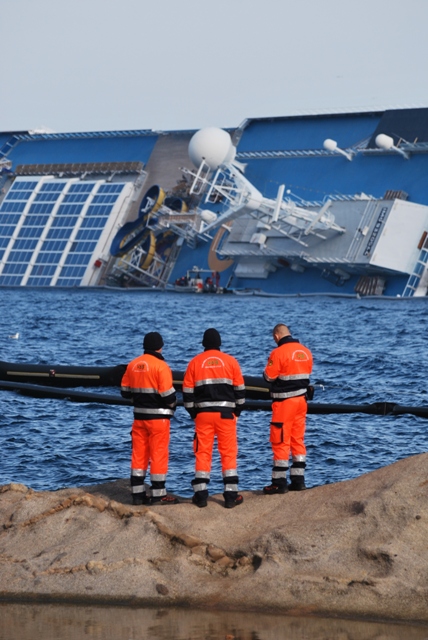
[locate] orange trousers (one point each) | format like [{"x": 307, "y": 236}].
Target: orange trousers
[
  {"x": 209, "y": 425},
  {"x": 287, "y": 429},
  {"x": 150, "y": 441}
]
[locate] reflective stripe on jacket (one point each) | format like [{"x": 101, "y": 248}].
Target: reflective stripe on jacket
[
  {"x": 213, "y": 382},
  {"x": 288, "y": 369},
  {"x": 148, "y": 382}
]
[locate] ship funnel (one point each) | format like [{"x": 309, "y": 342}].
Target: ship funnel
[{"x": 213, "y": 146}]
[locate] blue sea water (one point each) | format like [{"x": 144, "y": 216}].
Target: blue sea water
[{"x": 364, "y": 351}]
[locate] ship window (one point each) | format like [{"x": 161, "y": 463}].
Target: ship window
[
  {"x": 12, "y": 206},
  {"x": 75, "y": 197},
  {"x": 10, "y": 219},
  {"x": 19, "y": 195},
  {"x": 20, "y": 185},
  {"x": 52, "y": 186},
  {"x": 46, "y": 197},
  {"x": 80, "y": 187}
]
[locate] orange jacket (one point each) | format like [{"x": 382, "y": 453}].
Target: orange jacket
[
  {"x": 288, "y": 369},
  {"x": 213, "y": 382},
  {"x": 148, "y": 381}
]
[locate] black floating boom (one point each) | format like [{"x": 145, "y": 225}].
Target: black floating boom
[
  {"x": 64, "y": 376},
  {"x": 376, "y": 408}
]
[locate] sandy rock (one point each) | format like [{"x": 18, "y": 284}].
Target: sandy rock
[
  {"x": 356, "y": 548},
  {"x": 215, "y": 553}
]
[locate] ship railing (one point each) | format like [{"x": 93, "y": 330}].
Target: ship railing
[
  {"x": 360, "y": 147},
  {"x": 129, "y": 265},
  {"x": 200, "y": 178},
  {"x": 187, "y": 226},
  {"x": 408, "y": 148},
  {"x": 286, "y": 216},
  {"x": 280, "y": 153},
  {"x": 8, "y": 146}
]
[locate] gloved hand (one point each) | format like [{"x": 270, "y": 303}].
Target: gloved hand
[{"x": 310, "y": 392}]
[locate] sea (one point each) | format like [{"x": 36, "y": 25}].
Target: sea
[{"x": 365, "y": 351}]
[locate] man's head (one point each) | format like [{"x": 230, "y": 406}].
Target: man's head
[
  {"x": 211, "y": 339},
  {"x": 280, "y": 331},
  {"x": 153, "y": 341}
]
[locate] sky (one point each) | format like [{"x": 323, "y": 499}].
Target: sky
[{"x": 100, "y": 65}]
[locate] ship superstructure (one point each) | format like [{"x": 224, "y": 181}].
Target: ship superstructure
[{"x": 318, "y": 204}]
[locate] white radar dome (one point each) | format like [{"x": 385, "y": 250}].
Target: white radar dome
[
  {"x": 212, "y": 145},
  {"x": 384, "y": 142},
  {"x": 330, "y": 145}
]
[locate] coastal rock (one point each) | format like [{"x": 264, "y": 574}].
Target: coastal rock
[{"x": 356, "y": 548}]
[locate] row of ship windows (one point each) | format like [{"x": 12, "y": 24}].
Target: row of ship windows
[
  {"x": 40, "y": 221},
  {"x": 54, "y": 235},
  {"x": 26, "y": 241},
  {"x": 52, "y": 197},
  {"x": 18, "y": 207},
  {"x": 24, "y": 196},
  {"x": 22, "y": 185},
  {"x": 52, "y": 245},
  {"x": 79, "y": 187},
  {"x": 69, "y": 221},
  {"x": 79, "y": 244},
  {"x": 51, "y": 260},
  {"x": 79, "y": 252},
  {"x": 72, "y": 280}
]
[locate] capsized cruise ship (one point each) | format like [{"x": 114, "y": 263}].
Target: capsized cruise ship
[{"x": 333, "y": 204}]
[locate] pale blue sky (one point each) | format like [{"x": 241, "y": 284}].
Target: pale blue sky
[{"x": 87, "y": 65}]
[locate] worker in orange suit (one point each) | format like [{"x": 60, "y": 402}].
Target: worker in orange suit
[
  {"x": 287, "y": 371},
  {"x": 148, "y": 382},
  {"x": 214, "y": 395}
]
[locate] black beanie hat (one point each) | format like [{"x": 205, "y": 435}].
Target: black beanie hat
[
  {"x": 153, "y": 341},
  {"x": 211, "y": 339}
]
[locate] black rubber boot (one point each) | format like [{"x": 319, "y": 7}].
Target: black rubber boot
[
  {"x": 200, "y": 498},
  {"x": 232, "y": 499},
  {"x": 297, "y": 486},
  {"x": 275, "y": 487},
  {"x": 140, "y": 498}
]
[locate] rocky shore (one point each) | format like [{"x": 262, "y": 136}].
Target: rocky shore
[{"x": 351, "y": 549}]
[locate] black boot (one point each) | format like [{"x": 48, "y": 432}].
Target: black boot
[
  {"x": 140, "y": 498},
  {"x": 297, "y": 485},
  {"x": 277, "y": 486},
  {"x": 200, "y": 498},
  {"x": 232, "y": 499}
]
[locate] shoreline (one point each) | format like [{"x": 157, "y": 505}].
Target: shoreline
[{"x": 351, "y": 550}]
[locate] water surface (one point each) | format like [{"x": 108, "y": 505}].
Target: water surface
[
  {"x": 57, "y": 622},
  {"x": 364, "y": 351}
]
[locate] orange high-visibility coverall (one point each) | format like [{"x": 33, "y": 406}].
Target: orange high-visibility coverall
[
  {"x": 148, "y": 381},
  {"x": 287, "y": 370},
  {"x": 214, "y": 394}
]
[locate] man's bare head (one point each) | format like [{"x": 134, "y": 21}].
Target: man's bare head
[{"x": 280, "y": 331}]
